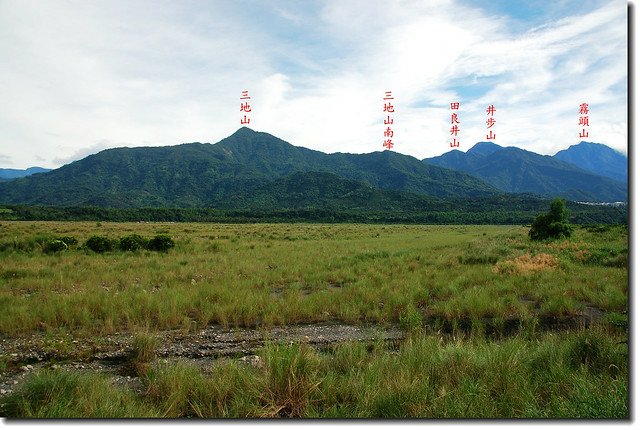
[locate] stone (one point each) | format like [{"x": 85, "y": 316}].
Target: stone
[{"x": 252, "y": 360}]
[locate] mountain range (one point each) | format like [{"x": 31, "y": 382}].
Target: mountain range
[
  {"x": 255, "y": 170},
  {"x": 516, "y": 170},
  {"x": 8, "y": 174},
  {"x": 206, "y": 175}
]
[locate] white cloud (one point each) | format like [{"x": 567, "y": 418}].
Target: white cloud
[
  {"x": 163, "y": 73},
  {"x": 81, "y": 153}
]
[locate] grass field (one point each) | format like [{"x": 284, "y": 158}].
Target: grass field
[{"x": 496, "y": 323}]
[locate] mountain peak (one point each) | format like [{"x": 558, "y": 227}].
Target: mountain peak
[
  {"x": 243, "y": 132},
  {"x": 597, "y": 158},
  {"x": 594, "y": 146},
  {"x": 484, "y": 148}
]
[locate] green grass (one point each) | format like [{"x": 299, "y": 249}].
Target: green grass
[
  {"x": 56, "y": 394},
  {"x": 559, "y": 375},
  {"x": 446, "y": 286},
  {"x": 265, "y": 275}
]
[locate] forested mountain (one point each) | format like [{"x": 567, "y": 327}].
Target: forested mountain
[
  {"x": 206, "y": 175},
  {"x": 596, "y": 158},
  {"x": 515, "y": 170},
  {"x": 257, "y": 171}
]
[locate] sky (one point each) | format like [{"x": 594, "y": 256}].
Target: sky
[{"x": 77, "y": 77}]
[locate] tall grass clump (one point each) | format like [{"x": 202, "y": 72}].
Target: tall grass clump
[
  {"x": 181, "y": 390},
  {"x": 411, "y": 319},
  {"x": 597, "y": 352},
  {"x": 292, "y": 380},
  {"x": 58, "y": 394},
  {"x": 143, "y": 352}
]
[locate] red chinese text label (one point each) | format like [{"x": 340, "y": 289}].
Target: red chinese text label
[
  {"x": 583, "y": 119},
  {"x": 388, "y": 108},
  {"x": 491, "y": 121},
  {"x": 455, "y": 124},
  {"x": 245, "y": 107}
]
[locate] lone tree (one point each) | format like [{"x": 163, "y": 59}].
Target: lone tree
[{"x": 552, "y": 225}]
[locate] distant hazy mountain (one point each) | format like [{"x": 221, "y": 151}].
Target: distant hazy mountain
[
  {"x": 515, "y": 170},
  {"x": 7, "y": 174},
  {"x": 596, "y": 158},
  {"x": 233, "y": 170}
]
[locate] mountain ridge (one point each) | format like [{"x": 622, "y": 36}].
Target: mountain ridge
[
  {"x": 7, "y": 174},
  {"x": 203, "y": 174},
  {"x": 516, "y": 170},
  {"x": 250, "y": 169}
]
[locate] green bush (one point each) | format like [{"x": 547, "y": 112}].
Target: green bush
[
  {"x": 552, "y": 225},
  {"x": 161, "y": 242},
  {"x": 54, "y": 246},
  {"x": 99, "y": 244},
  {"x": 133, "y": 242}
]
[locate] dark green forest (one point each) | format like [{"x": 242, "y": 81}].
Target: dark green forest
[{"x": 507, "y": 209}]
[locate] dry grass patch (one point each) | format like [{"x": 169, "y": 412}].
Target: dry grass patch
[{"x": 526, "y": 264}]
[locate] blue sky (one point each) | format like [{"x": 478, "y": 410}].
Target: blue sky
[{"x": 81, "y": 76}]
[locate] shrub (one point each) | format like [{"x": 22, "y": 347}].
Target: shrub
[
  {"x": 54, "y": 246},
  {"x": 161, "y": 242},
  {"x": 99, "y": 244},
  {"x": 552, "y": 225},
  {"x": 132, "y": 242}
]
